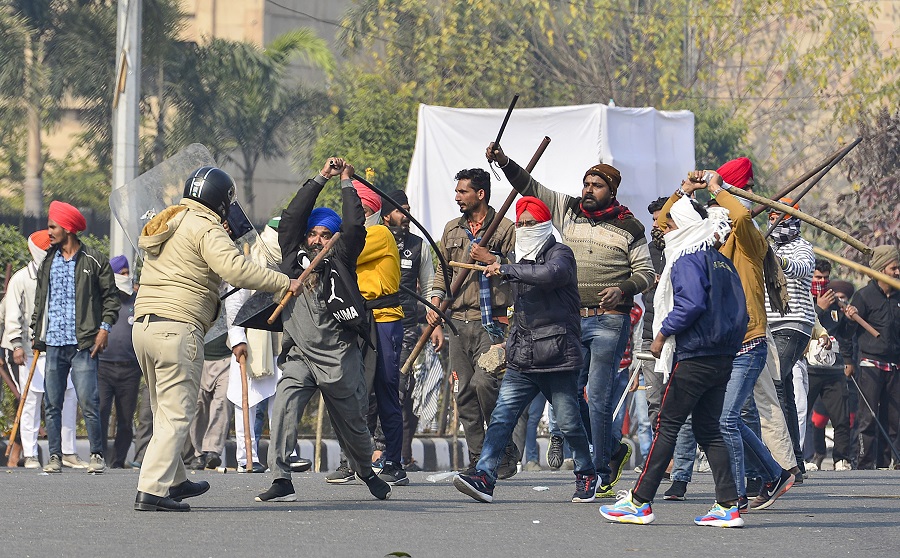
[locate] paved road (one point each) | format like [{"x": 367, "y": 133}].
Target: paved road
[{"x": 74, "y": 513}]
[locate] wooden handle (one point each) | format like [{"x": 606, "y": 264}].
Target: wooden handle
[
  {"x": 312, "y": 265},
  {"x": 865, "y": 325},
  {"x": 245, "y": 407},
  {"x": 877, "y": 275},
  {"x": 475, "y": 267},
  {"x": 819, "y": 224},
  {"x": 23, "y": 395}
]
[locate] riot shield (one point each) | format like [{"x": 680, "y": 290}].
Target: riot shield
[{"x": 138, "y": 201}]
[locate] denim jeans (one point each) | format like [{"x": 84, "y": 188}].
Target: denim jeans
[
  {"x": 790, "y": 344},
  {"x": 61, "y": 360},
  {"x": 685, "y": 452},
  {"x": 603, "y": 340},
  {"x": 641, "y": 418},
  {"x": 555, "y": 431},
  {"x": 618, "y": 421},
  {"x": 741, "y": 442},
  {"x": 517, "y": 392},
  {"x": 535, "y": 412}
]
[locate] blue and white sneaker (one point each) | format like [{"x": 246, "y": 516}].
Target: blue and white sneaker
[
  {"x": 720, "y": 516},
  {"x": 626, "y": 510}
]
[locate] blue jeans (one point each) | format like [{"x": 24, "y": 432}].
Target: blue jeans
[
  {"x": 60, "y": 360},
  {"x": 618, "y": 421},
  {"x": 603, "y": 340},
  {"x": 685, "y": 452},
  {"x": 535, "y": 412},
  {"x": 739, "y": 439},
  {"x": 555, "y": 431},
  {"x": 641, "y": 417},
  {"x": 517, "y": 392}
]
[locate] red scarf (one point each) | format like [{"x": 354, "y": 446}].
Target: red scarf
[{"x": 615, "y": 210}]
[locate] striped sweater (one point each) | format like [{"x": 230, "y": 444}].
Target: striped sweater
[{"x": 798, "y": 265}]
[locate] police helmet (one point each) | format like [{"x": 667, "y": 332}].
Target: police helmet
[{"x": 212, "y": 187}]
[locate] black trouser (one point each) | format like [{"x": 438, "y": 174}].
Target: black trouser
[
  {"x": 833, "y": 390},
  {"x": 407, "y": 385},
  {"x": 697, "y": 387},
  {"x": 882, "y": 391},
  {"x": 790, "y": 344},
  {"x": 118, "y": 381}
]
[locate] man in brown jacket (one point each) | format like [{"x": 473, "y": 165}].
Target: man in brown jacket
[
  {"x": 187, "y": 255},
  {"x": 478, "y": 311}
]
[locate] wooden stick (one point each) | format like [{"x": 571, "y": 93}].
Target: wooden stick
[
  {"x": 865, "y": 325},
  {"x": 757, "y": 209},
  {"x": 463, "y": 274},
  {"x": 474, "y": 267},
  {"x": 320, "y": 417},
  {"x": 819, "y": 224},
  {"x": 15, "y": 428},
  {"x": 877, "y": 275},
  {"x": 312, "y": 265},
  {"x": 245, "y": 407}
]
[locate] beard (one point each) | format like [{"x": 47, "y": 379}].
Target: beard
[{"x": 592, "y": 204}]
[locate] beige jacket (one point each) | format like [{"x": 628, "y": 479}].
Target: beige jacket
[{"x": 188, "y": 254}]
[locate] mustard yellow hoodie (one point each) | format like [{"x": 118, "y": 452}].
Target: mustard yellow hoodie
[{"x": 378, "y": 271}]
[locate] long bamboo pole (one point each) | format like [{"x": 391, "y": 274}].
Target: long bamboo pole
[
  {"x": 15, "y": 428},
  {"x": 819, "y": 224}
]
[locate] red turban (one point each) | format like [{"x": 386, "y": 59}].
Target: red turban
[
  {"x": 367, "y": 196},
  {"x": 532, "y": 205},
  {"x": 738, "y": 172},
  {"x": 67, "y": 216}
]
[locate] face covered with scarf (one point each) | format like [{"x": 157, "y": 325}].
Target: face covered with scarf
[
  {"x": 789, "y": 228},
  {"x": 533, "y": 227}
]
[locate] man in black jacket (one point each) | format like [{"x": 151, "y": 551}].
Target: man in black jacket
[
  {"x": 321, "y": 351},
  {"x": 879, "y": 368},
  {"x": 543, "y": 352},
  {"x": 76, "y": 304}
]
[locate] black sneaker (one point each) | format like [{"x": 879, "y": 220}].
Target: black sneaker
[
  {"x": 742, "y": 504},
  {"x": 618, "y": 462},
  {"x": 341, "y": 475},
  {"x": 676, "y": 491},
  {"x": 770, "y": 491},
  {"x": 198, "y": 463},
  {"x": 213, "y": 460},
  {"x": 508, "y": 466},
  {"x": 753, "y": 486},
  {"x": 477, "y": 486},
  {"x": 377, "y": 486},
  {"x": 412, "y": 467},
  {"x": 555, "y": 452},
  {"x": 298, "y": 464},
  {"x": 585, "y": 488},
  {"x": 393, "y": 474},
  {"x": 282, "y": 490}
]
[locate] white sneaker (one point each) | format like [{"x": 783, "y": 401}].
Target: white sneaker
[
  {"x": 811, "y": 467},
  {"x": 73, "y": 461},
  {"x": 32, "y": 463},
  {"x": 842, "y": 465},
  {"x": 97, "y": 465}
]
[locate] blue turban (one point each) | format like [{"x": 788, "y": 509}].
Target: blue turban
[
  {"x": 118, "y": 264},
  {"x": 322, "y": 216}
]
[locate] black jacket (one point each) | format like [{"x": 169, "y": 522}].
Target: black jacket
[
  {"x": 96, "y": 297},
  {"x": 883, "y": 313},
  {"x": 839, "y": 326},
  {"x": 546, "y": 331}
]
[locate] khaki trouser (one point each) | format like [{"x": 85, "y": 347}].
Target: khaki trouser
[
  {"x": 171, "y": 357},
  {"x": 771, "y": 417}
]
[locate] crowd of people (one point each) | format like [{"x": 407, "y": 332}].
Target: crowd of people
[{"x": 743, "y": 342}]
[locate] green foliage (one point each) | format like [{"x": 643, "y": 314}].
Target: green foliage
[
  {"x": 240, "y": 102},
  {"x": 13, "y": 249},
  {"x": 78, "y": 181},
  {"x": 718, "y": 137},
  {"x": 98, "y": 243},
  {"x": 868, "y": 207}
]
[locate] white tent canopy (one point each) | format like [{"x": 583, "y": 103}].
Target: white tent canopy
[{"x": 652, "y": 149}]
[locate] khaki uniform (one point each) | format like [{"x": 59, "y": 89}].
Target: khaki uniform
[{"x": 188, "y": 254}]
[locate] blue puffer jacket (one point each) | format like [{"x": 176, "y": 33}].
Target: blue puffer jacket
[
  {"x": 710, "y": 313},
  {"x": 546, "y": 331}
]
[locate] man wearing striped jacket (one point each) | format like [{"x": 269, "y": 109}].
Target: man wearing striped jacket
[{"x": 792, "y": 331}]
